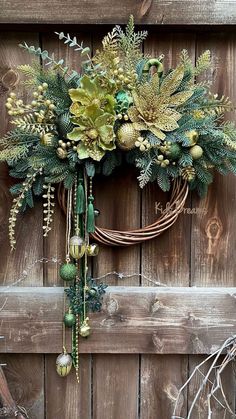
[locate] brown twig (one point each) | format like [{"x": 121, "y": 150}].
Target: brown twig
[
  {"x": 230, "y": 346},
  {"x": 9, "y": 405}
]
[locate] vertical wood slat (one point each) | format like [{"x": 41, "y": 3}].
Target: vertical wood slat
[
  {"x": 70, "y": 399},
  {"x": 24, "y": 373},
  {"x": 28, "y": 231},
  {"x": 115, "y": 379},
  {"x": 25, "y": 377},
  {"x": 213, "y": 234},
  {"x": 115, "y": 386},
  {"x": 165, "y": 259}
]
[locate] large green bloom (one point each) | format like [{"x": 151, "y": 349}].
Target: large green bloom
[
  {"x": 90, "y": 93},
  {"x": 94, "y": 133}
]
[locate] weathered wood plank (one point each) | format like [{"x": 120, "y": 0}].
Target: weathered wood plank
[
  {"x": 177, "y": 12},
  {"x": 29, "y": 227},
  {"x": 228, "y": 384},
  {"x": 64, "y": 397},
  {"x": 25, "y": 377},
  {"x": 167, "y": 257},
  {"x": 161, "y": 377},
  {"x": 133, "y": 320},
  {"x": 115, "y": 380}
]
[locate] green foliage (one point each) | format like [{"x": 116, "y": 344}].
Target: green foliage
[{"x": 75, "y": 293}]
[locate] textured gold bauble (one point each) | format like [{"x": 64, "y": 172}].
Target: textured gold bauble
[
  {"x": 196, "y": 152},
  {"x": 62, "y": 154},
  {"x": 92, "y": 249},
  {"x": 63, "y": 364},
  {"x": 192, "y": 136},
  {"x": 77, "y": 247},
  {"x": 126, "y": 136},
  {"x": 46, "y": 139},
  {"x": 85, "y": 329}
]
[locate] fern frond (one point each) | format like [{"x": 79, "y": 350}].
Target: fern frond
[{"x": 203, "y": 63}]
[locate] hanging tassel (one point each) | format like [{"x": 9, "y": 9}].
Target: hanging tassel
[
  {"x": 90, "y": 216},
  {"x": 80, "y": 198}
]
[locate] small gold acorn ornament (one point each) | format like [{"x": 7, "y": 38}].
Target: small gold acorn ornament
[
  {"x": 63, "y": 363},
  {"x": 85, "y": 329},
  {"x": 192, "y": 135},
  {"x": 92, "y": 249},
  {"x": 62, "y": 154},
  {"x": 126, "y": 136},
  {"x": 46, "y": 139},
  {"x": 196, "y": 152},
  {"x": 77, "y": 247}
]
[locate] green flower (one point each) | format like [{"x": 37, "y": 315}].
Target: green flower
[
  {"x": 90, "y": 93},
  {"x": 95, "y": 133}
]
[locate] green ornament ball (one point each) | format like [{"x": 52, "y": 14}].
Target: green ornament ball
[
  {"x": 196, "y": 152},
  {"x": 174, "y": 152},
  {"x": 68, "y": 272},
  {"x": 69, "y": 319}
]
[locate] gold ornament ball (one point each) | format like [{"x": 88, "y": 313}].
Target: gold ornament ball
[
  {"x": 77, "y": 247},
  {"x": 46, "y": 139},
  {"x": 63, "y": 364},
  {"x": 92, "y": 249},
  {"x": 85, "y": 329},
  {"x": 62, "y": 154},
  {"x": 192, "y": 135},
  {"x": 126, "y": 136},
  {"x": 196, "y": 152}
]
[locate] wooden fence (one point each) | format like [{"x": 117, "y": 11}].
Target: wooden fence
[{"x": 147, "y": 340}]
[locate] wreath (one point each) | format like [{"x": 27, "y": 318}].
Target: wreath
[{"x": 123, "y": 107}]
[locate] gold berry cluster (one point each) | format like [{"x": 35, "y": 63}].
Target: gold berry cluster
[{"x": 62, "y": 150}]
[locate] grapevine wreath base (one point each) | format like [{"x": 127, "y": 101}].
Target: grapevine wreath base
[
  {"x": 123, "y": 107},
  {"x": 110, "y": 237}
]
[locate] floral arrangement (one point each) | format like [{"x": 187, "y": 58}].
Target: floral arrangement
[{"x": 124, "y": 106}]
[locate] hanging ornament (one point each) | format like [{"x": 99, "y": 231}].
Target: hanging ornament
[
  {"x": 63, "y": 363},
  {"x": 90, "y": 209},
  {"x": 68, "y": 271},
  {"x": 80, "y": 198},
  {"x": 92, "y": 249},
  {"x": 77, "y": 247},
  {"x": 46, "y": 139},
  {"x": 127, "y": 136},
  {"x": 85, "y": 329},
  {"x": 92, "y": 292},
  {"x": 196, "y": 152},
  {"x": 69, "y": 318},
  {"x": 192, "y": 135},
  {"x": 62, "y": 154}
]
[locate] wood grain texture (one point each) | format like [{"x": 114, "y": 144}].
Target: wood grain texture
[
  {"x": 25, "y": 377},
  {"x": 132, "y": 320},
  {"x": 167, "y": 259},
  {"x": 228, "y": 383},
  {"x": 64, "y": 397},
  {"x": 54, "y": 244},
  {"x": 118, "y": 199},
  {"x": 213, "y": 234},
  {"x": 177, "y": 12},
  {"x": 161, "y": 377},
  {"x": 116, "y": 387},
  {"x": 29, "y": 226}
]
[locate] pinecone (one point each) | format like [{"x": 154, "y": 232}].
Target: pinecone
[{"x": 188, "y": 173}]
